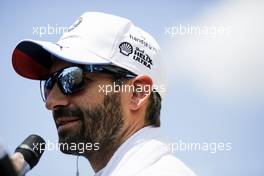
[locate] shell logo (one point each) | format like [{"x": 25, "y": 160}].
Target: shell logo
[{"x": 126, "y": 48}]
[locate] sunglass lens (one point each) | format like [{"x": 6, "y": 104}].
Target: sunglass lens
[
  {"x": 48, "y": 85},
  {"x": 70, "y": 80}
]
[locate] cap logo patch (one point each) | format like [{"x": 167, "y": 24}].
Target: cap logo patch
[
  {"x": 126, "y": 48},
  {"x": 143, "y": 42},
  {"x": 143, "y": 58},
  {"x": 75, "y": 24}
]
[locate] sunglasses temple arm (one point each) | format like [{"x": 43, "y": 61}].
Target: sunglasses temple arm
[{"x": 41, "y": 93}]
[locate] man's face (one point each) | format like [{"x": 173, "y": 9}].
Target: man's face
[{"x": 88, "y": 116}]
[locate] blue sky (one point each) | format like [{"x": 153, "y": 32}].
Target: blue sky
[{"x": 199, "y": 106}]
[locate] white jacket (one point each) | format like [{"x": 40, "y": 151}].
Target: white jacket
[{"x": 144, "y": 154}]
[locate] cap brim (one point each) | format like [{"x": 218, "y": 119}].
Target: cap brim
[{"x": 32, "y": 59}]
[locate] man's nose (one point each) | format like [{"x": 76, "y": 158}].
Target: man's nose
[{"x": 56, "y": 98}]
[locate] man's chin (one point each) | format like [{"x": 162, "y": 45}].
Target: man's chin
[
  {"x": 69, "y": 152},
  {"x": 70, "y": 148},
  {"x": 68, "y": 144},
  {"x": 75, "y": 151}
]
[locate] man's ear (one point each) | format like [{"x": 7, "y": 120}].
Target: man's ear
[{"x": 142, "y": 86}]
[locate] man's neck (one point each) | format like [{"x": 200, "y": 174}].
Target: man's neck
[{"x": 99, "y": 159}]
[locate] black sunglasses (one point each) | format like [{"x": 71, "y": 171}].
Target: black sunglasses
[{"x": 72, "y": 79}]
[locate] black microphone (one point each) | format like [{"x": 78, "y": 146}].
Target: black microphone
[
  {"x": 28, "y": 153},
  {"x": 6, "y": 166}
]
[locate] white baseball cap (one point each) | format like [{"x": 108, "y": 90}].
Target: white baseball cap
[{"x": 95, "y": 38}]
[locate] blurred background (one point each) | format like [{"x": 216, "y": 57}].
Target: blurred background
[{"x": 214, "y": 55}]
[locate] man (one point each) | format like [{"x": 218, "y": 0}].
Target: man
[{"x": 103, "y": 83}]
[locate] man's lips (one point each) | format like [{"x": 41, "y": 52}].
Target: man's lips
[{"x": 61, "y": 121}]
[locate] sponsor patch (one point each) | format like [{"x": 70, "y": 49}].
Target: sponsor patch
[
  {"x": 143, "y": 58},
  {"x": 126, "y": 48},
  {"x": 75, "y": 24}
]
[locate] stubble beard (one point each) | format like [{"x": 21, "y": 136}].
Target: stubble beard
[{"x": 100, "y": 126}]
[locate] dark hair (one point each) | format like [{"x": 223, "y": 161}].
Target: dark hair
[{"x": 152, "y": 116}]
